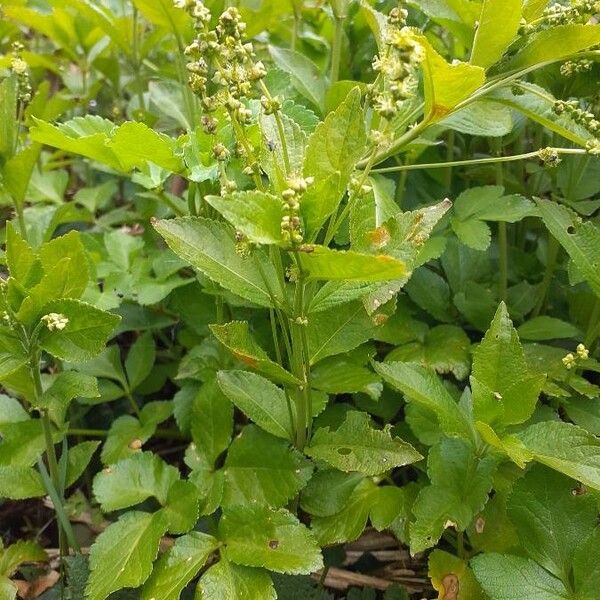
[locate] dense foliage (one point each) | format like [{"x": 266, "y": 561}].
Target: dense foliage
[{"x": 278, "y": 272}]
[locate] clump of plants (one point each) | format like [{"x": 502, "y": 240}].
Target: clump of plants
[{"x": 282, "y": 277}]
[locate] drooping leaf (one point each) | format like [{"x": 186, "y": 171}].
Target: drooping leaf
[{"x": 451, "y": 576}]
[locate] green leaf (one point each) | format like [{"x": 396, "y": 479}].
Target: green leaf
[
  {"x": 505, "y": 391},
  {"x": 445, "y": 349},
  {"x": 338, "y": 329},
  {"x": 85, "y": 334},
  {"x": 448, "y": 573},
  {"x": 178, "y": 566},
  {"x": 226, "y": 580},
  {"x": 78, "y": 459},
  {"x": 586, "y": 571},
  {"x": 460, "y": 483},
  {"x": 140, "y": 360},
  {"x": 256, "y": 214},
  {"x": 114, "y": 564},
  {"x": 553, "y": 44},
  {"x": 537, "y": 104},
  {"x": 259, "y": 399},
  {"x": 66, "y": 386},
  {"x": 20, "y": 552},
  {"x": 482, "y": 118},
  {"x": 497, "y": 27},
  {"x": 211, "y": 422},
  {"x": 423, "y": 387},
  {"x": 257, "y": 536},
  {"x": 123, "y": 147},
  {"x": 263, "y": 469},
  {"x": 8, "y": 114},
  {"x": 332, "y": 152},
  {"x": 165, "y": 14},
  {"x": 505, "y": 577},
  {"x": 551, "y": 521},
  {"x": 305, "y": 75},
  {"x": 132, "y": 480},
  {"x": 22, "y": 262},
  {"x": 565, "y": 448},
  {"x": 356, "y": 446},
  {"x": 325, "y": 263},
  {"x": 349, "y": 523},
  {"x": 210, "y": 247},
  {"x": 446, "y": 85},
  {"x": 182, "y": 506},
  {"x": 20, "y": 483},
  {"x": 580, "y": 239},
  {"x": 548, "y": 328},
  {"x": 237, "y": 338},
  {"x": 12, "y": 353},
  {"x": 328, "y": 491}
]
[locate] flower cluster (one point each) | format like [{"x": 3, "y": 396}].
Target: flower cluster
[
  {"x": 549, "y": 156},
  {"x": 572, "y": 67},
  {"x": 578, "y": 11},
  {"x": 19, "y": 67},
  {"x": 570, "y": 360},
  {"x": 582, "y": 117},
  {"x": 221, "y": 66},
  {"x": 291, "y": 227},
  {"x": 396, "y": 66},
  {"x": 55, "y": 321}
]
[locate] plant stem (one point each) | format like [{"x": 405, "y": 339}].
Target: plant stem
[
  {"x": 551, "y": 256},
  {"x": 502, "y": 229},
  {"x": 475, "y": 161},
  {"x": 336, "y": 48},
  {"x": 593, "y": 328}
]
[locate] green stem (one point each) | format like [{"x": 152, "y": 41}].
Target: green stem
[
  {"x": 336, "y": 48},
  {"x": 475, "y": 161},
  {"x": 551, "y": 256},
  {"x": 133, "y": 403},
  {"x": 593, "y": 328},
  {"x": 502, "y": 229}
]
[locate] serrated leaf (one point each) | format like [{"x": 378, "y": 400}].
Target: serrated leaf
[
  {"x": 565, "y": 448},
  {"x": 133, "y": 480},
  {"x": 256, "y": 214},
  {"x": 497, "y": 27},
  {"x": 12, "y": 353},
  {"x": 228, "y": 581},
  {"x": 237, "y": 338},
  {"x": 580, "y": 239},
  {"x": 84, "y": 335},
  {"x": 182, "y": 506},
  {"x": 178, "y": 566},
  {"x": 22, "y": 262},
  {"x": 505, "y": 391},
  {"x": 326, "y": 263},
  {"x": 332, "y": 152},
  {"x": 20, "y": 483},
  {"x": 257, "y": 536},
  {"x": 551, "y": 521},
  {"x": 547, "y": 328},
  {"x": 357, "y": 446},
  {"x": 115, "y": 565},
  {"x": 211, "y": 422},
  {"x": 506, "y": 577},
  {"x": 423, "y": 387},
  {"x": 338, "y": 329},
  {"x": 261, "y": 468},
  {"x": 210, "y": 247},
  {"x": 259, "y": 399},
  {"x": 460, "y": 483},
  {"x": 20, "y": 552}
]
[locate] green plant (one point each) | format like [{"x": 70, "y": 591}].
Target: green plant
[{"x": 282, "y": 298}]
